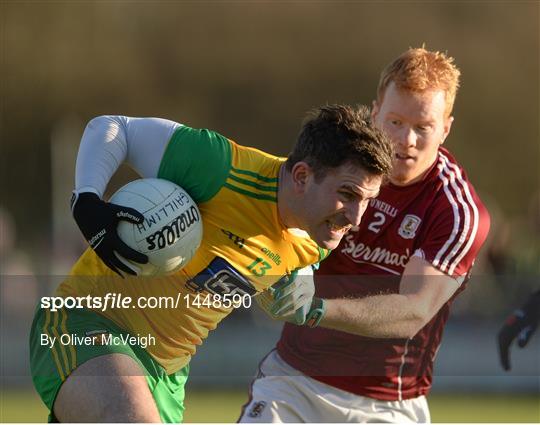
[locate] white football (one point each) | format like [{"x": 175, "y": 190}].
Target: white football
[{"x": 172, "y": 228}]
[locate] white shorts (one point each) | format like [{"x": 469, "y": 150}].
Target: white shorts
[{"x": 280, "y": 393}]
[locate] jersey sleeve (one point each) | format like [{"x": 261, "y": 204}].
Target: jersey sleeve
[
  {"x": 454, "y": 237},
  {"x": 323, "y": 253},
  {"x": 109, "y": 140},
  {"x": 197, "y": 160}
]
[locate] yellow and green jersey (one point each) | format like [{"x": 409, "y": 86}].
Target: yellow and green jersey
[{"x": 245, "y": 249}]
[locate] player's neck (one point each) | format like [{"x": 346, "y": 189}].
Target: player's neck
[{"x": 409, "y": 182}]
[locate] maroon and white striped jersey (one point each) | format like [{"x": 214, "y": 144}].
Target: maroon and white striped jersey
[{"x": 442, "y": 220}]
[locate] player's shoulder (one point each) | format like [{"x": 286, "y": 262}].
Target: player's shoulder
[
  {"x": 457, "y": 219},
  {"x": 254, "y": 172},
  {"x": 457, "y": 201},
  {"x": 253, "y": 160},
  {"x": 455, "y": 190},
  {"x": 189, "y": 156},
  {"x": 198, "y": 136},
  {"x": 449, "y": 171}
]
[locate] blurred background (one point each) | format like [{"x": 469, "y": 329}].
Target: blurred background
[{"x": 250, "y": 70}]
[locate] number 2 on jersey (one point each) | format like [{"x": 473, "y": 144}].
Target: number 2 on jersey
[{"x": 375, "y": 226}]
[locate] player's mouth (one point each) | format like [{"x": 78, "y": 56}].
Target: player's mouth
[
  {"x": 404, "y": 157},
  {"x": 338, "y": 229}
]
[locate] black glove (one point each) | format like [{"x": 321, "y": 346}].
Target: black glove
[
  {"x": 521, "y": 324},
  {"x": 98, "y": 221}
]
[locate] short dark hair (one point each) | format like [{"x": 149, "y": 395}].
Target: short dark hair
[{"x": 333, "y": 135}]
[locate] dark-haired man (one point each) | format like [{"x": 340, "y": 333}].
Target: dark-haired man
[{"x": 255, "y": 207}]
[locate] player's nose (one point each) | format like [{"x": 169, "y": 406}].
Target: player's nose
[
  {"x": 407, "y": 137},
  {"x": 355, "y": 211}
]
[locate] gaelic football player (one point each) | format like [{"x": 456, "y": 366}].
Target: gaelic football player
[
  {"x": 389, "y": 285},
  {"x": 256, "y": 207},
  {"x": 520, "y": 326}
]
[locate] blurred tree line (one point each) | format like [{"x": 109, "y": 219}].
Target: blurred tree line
[{"x": 250, "y": 70}]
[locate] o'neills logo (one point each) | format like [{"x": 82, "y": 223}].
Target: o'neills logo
[
  {"x": 364, "y": 253},
  {"x": 168, "y": 234}
]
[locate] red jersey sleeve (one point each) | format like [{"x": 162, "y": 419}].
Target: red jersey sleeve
[{"x": 457, "y": 231}]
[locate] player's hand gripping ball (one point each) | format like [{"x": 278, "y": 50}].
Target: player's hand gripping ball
[
  {"x": 171, "y": 231},
  {"x": 98, "y": 221}
]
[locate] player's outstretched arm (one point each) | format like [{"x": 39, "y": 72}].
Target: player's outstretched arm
[
  {"x": 107, "y": 142},
  {"x": 521, "y": 324},
  {"x": 423, "y": 291}
]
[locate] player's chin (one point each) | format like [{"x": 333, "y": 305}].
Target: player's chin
[
  {"x": 330, "y": 241},
  {"x": 329, "y": 244}
]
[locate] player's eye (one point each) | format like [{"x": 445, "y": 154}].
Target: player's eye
[
  {"x": 395, "y": 122},
  {"x": 347, "y": 196},
  {"x": 423, "y": 128}
]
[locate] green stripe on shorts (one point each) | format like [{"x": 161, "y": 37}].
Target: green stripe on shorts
[{"x": 50, "y": 366}]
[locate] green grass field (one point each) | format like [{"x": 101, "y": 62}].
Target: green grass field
[{"x": 224, "y": 406}]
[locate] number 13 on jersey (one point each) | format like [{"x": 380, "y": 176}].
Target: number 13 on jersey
[{"x": 259, "y": 267}]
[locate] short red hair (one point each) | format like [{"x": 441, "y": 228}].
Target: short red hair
[{"x": 418, "y": 70}]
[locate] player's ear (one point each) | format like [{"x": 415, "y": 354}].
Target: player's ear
[
  {"x": 300, "y": 173},
  {"x": 374, "y": 110},
  {"x": 447, "y": 126}
]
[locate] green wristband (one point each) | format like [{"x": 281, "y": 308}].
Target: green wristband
[{"x": 316, "y": 312}]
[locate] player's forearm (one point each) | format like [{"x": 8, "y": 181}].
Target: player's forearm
[{"x": 381, "y": 316}]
